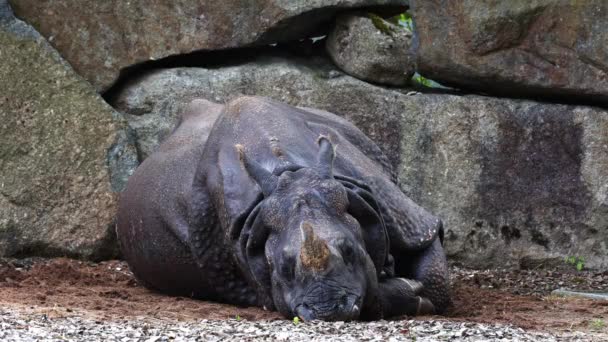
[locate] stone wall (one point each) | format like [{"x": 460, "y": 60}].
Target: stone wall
[{"x": 514, "y": 157}]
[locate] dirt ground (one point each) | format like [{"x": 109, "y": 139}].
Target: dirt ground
[{"x": 107, "y": 290}]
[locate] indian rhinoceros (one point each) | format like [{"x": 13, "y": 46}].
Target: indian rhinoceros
[{"x": 293, "y": 209}]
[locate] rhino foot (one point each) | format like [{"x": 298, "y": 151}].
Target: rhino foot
[{"x": 401, "y": 296}]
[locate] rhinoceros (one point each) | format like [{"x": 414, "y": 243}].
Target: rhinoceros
[{"x": 258, "y": 203}]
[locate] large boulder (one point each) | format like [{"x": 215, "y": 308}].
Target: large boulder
[
  {"x": 512, "y": 179},
  {"x": 152, "y": 102},
  {"x": 100, "y": 38},
  {"x": 58, "y": 140},
  {"x": 552, "y": 48},
  {"x": 515, "y": 181},
  {"x": 372, "y": 49}
]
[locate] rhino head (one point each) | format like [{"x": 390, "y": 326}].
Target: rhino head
[{"x": 307, "y": 243}]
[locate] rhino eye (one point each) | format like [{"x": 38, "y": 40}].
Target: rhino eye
[
  {"x": 286, "y": 270},
  {"x": 347, "y": 252}
]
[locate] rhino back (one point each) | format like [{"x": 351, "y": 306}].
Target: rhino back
[{"x": 274, "y": 133}]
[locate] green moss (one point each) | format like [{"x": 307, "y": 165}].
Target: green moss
[{"x": 381, "y": 24}]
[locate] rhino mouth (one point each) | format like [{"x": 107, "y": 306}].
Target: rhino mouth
[{"x": 329, "y": 303}]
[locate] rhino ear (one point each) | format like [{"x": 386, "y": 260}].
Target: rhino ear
[
  {"x": 251, "y": 256},
  {"x": 364, "y": 208},
  {"x": 265, "y": 179},
  {"x": 325, "y": 158}
]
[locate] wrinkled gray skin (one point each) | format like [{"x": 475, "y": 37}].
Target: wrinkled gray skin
[{"x": 293, "y": 209}]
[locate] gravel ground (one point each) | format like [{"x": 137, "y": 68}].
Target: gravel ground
[{"x": 22, "y": 326}]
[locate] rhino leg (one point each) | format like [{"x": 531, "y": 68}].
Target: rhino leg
[
  {"x": 222, "y": 276},
  {"x": 400, "y": 296},
  {"x": 429, "y": 267},
  {"x": 157, "y": 255},
  {"x": 416, "y": 247}
]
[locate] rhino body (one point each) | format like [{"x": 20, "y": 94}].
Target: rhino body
[{"x": 292, "y": 209}]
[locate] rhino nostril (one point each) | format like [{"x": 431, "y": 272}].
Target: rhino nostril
[{"x": 304, "y": 312}]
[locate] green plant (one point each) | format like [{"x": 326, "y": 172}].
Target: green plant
[
  {"x": 423, "y": 81},
  {"x": 578, "y": 262},
  {"x": 597, "y": 324},
  {"x": 420, "y": 80},
  {"x": 406, "y": 21},
  {"x": 296, "y": 320},
  {"x": 238, "y": 317}
]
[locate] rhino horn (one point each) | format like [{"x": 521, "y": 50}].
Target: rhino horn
[
  {"x": 265, "y": 179},
  {"x": 314, "y": 253},
  {"x": 325, "y": 158}
]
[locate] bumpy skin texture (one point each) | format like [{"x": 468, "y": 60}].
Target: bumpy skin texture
[{"x": 294, "y": 209}]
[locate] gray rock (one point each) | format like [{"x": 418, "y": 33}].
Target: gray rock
[
  {"x": 526, "y": 48},
  {"x": 100, "y": 38},
  {"x": 153, "y": 102},
  {"x": 580, "y": 294},
  {"x": 372, "y": 49},
  {"x": 55, "y": 132},
  {"x": 512, "y": 179}
]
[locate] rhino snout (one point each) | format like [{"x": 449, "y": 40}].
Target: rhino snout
[{"x": 342, "y": 307}]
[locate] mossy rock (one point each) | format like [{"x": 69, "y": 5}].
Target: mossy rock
[{"x": 56, "y": 196}]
